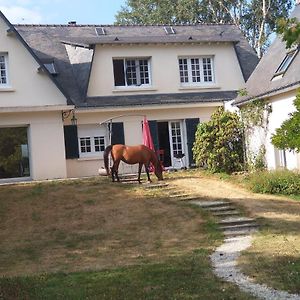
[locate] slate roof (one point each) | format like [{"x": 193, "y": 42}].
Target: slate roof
[
  {"x": 48, "y": 42},
  {"x": 156, "y": 99},
  {"x": 260, "y": 83}
]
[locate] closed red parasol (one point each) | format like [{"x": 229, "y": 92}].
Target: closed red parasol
[{"x": 147, "y": 138}]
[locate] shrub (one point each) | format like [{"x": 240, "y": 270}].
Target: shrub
[
  {"x": 218, "y": 143},
  {"x": 275, "y": 182}
]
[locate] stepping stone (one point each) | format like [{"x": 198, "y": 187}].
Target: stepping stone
[
  {"x": 179, "y": 195},
  {"x": 221, "y": 208},
  {"x": 234, "y": 233},
  {"x": 156, "y": 186},
  {"x": 207, "y": 204},
  {"x": 239, "y": 226},
  {"x": 222, "y": 214},
  {"x": 236, "y": 221}
]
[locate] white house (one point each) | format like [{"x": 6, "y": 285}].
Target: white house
[
  {"x": 69, "y": 87},
  {"x": 276, "y": 81}
]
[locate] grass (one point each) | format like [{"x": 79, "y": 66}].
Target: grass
[
  {"x": 186, "y": 277},
  {"x": 274, "y": 257},
  {"x": 91, "y": 239}
]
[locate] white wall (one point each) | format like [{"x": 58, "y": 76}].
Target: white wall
[
  {"x": 27, "y": 87},
  {"x": 164, "y": 67},
  {"x": 282, "y": 106},
  {"x": 132, "y": 129},
  {"x": 46, "y": 142}
]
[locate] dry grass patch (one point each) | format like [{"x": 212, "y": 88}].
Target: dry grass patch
[
  {"x": 89, "y": 224},
  {"x": 274, "y": 257}
]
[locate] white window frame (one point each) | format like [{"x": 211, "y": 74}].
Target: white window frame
[
  {"x": 136, "y": 59},
  {"x": 201, "y": 65},
  {"x": 5, "y": 85},
  {"x": 91, "y": 132}
]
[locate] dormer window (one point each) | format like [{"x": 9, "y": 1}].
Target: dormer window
[
  {"x": 3, "y": 70},
  {"x": 286, "y": 62},
  {"x": 169, "y": 30},
  {"x": 50, "y": 66}
]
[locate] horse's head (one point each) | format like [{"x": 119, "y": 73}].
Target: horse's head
[{"x": 158, "y": 171}]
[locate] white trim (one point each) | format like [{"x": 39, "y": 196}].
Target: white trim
[{"x": 36, "y": 108}]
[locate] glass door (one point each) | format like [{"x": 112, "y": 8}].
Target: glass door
[
  {"x": 14, "y": 154},
  {"x": 176, "y": 143}
]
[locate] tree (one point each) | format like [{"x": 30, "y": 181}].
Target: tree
[
  {"x": 290, "y": 30},
  {"x": 288, "y": 135},
  {"x": 218, "y": 143},
  {"x": 255, "y": 18}
]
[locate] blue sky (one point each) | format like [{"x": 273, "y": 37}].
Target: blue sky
[{"x": 61, "y": 11}]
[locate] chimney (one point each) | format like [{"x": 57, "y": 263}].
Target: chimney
[{"x": 73, "y": 23}]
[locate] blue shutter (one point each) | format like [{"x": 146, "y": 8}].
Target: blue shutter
[
  {"x": 71, "y": 141},
  {"x": 191, "y": 127},
  {"x": 154, "y": 133},
  {"x": 117, "y": 134}
]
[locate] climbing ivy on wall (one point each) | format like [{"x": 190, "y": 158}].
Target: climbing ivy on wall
[{"x": 255, "y": 117}]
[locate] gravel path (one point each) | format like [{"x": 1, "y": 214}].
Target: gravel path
[{"x": 224, "y": 261}]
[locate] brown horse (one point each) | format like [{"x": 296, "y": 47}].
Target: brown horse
[{"x": 140, "y": 154}]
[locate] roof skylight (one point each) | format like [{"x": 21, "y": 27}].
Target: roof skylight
[
  {"x": 169, "y": 30},
  {"x": 100, "y": 31},
  {"x": 286, "y": 62}
]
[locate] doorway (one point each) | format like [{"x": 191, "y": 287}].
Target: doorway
[{"x": 164, "y": 142}]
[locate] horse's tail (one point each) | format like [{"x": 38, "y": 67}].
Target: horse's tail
[{"x": 105, "y": 156}]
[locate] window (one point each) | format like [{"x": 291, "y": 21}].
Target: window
[
  {"x": 99, "y": 143},
  {"x": 92, "y": 141},
  {"x": 3, "y": 70},
  {"x": 51, "y": 68},
  {"x": 132, "y": 72},
  {"x": 85, "y": 145},
  {"x": 286, "y": 62},
  {"x": 169, "y": 30},
  {"x": 100, "y": 31},
  {"x": 196, "y": 70}
]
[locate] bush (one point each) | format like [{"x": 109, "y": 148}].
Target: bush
[
  {"x": 218, "y": 143},
  {"x": 275, "y": 182}
]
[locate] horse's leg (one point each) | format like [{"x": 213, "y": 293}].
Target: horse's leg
[
  {"x": 140, "y": 170},
  {"x": 116, "y": 168},
  {"x": 112, "y": 173},
  {"x": 147, "y": 171}
]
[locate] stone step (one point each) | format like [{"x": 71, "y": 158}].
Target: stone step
[
  {"x": 221, "y": 208},
  {"x": 222, "y": 214},
  {"x": 157, "y": 186},
  {"x": 241, "y": 232},
  {"x": 236, "y": 221},
  {"x": 238, "y": 226},
  {"x": 179, "y": 196},
  {"x": 207, "y": 204}
]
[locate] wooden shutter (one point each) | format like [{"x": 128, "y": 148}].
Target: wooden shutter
[
  {"x": 154, "y": 133},
  {"x": 191, "y": 127},
  {"x": 71, "y": 141},
  {"x": 117, "y": 134}
]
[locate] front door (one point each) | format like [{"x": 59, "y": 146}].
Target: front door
[{"x": 176, "y": 144}]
